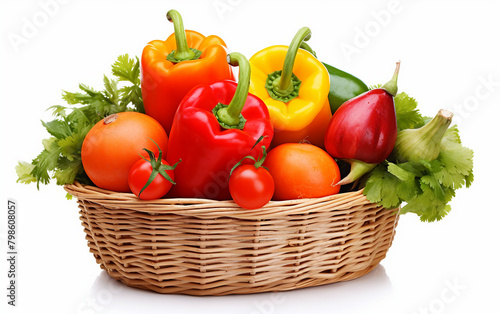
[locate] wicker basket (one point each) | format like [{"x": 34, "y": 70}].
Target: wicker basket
[{"x": 205, "y": 247}]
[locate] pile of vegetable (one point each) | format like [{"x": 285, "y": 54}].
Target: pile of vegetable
[{"x": 176, "y": 124}]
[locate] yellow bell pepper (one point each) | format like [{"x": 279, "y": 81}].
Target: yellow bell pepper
[{"x": 294, "y": 85}]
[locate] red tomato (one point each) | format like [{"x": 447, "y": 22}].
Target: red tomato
[
  {"x": 302, "y": 171},
  {"x": 251, "y": 187},
  {"x": 113, "y": 145},
  {"x": 139, "y": 176}
]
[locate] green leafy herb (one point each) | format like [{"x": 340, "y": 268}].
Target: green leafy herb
[
  {"x": 408, "y": 116},
  {"x": 423, "y": 187},
  {"x": 60, "y": 158}
]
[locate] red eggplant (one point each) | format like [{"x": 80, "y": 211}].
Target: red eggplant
[{"x": 363, "y": 130}]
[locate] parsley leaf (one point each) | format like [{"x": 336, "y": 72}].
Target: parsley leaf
[
  {"x": 23, "y": 171},
  {"x": 380, "y": 187},
  {"x": 61, "y": 156},
  {"x": 407, "y": 114},
  {"x": 425, "y": 187},
  {"x": 427, "y": 206}
]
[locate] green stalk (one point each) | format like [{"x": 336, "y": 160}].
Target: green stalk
[
  {"x": 392, "y": 86},
  {"x": 358, "y": 169},
  {"x": 423, "y": 143},
  {"x": 229, "y": 116},
  {"x": 284, "y": 85},
  {"x": 308, "y": 48},
  {"x": 183, "y": 51}
]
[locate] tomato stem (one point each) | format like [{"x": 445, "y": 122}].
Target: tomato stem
[
  {"x": 110, "y": 119},
  {"x": 257, "y": 163},
  {"x": 157, "y": 166}
]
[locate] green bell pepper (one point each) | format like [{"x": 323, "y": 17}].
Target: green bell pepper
[{"x": 343, "y": 86}]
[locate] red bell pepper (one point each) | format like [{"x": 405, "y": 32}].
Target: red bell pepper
[
  {"x": 210, "y": 137},
  {"x": 363, "y": 130}
]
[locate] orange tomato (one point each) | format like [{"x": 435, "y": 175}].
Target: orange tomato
[
  {"x": 114, "y": 144},
  {"x": 302, "y": 171}
]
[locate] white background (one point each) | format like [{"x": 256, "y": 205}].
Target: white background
[{"x": 449, "y": 51}]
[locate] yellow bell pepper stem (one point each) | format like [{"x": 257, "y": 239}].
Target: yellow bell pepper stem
[
  {"x": 294, "y": 85},
  {"x": 282, "y": 84}
]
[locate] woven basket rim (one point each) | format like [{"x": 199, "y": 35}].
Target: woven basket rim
[{"x": 208, "y": 208}]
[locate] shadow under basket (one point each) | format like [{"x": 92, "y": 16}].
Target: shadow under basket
[{"x": 206, "y": 247}]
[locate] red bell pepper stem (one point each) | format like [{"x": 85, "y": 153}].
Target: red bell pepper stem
[
  {"x": 183, "y": 51},
  {"x": 283, "y": 85},
  {"x": 392, "y": 86},
  {"x": 229, "y": 116}
]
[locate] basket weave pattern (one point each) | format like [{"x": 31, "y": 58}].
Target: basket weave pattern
[{"x": 205, "y": 247}]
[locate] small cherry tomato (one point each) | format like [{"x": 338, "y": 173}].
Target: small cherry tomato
[
  {"x": 139, "y": 175},
  {"x": 251, "y": 187},
  {"x": 151, "y": 178}
]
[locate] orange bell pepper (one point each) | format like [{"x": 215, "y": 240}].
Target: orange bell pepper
[{"x": 172, "y": 67}]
